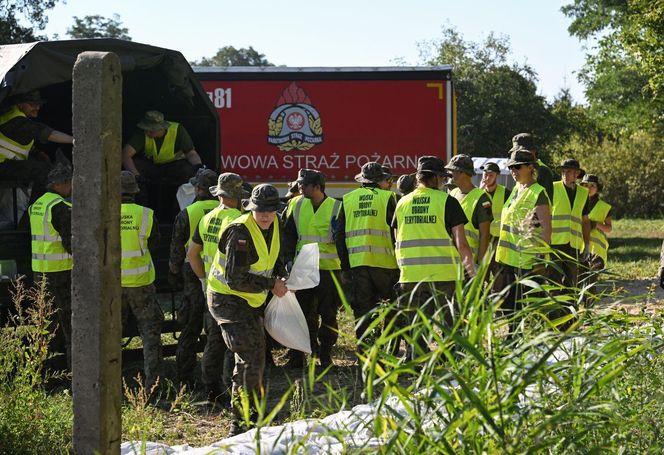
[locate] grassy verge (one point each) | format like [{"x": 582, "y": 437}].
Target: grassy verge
[{"x": 634, "y": 249}]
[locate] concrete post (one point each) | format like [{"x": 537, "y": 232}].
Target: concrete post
[{"x": 96, "y": 322}]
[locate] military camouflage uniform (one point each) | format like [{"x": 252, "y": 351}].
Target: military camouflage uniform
[{"x": 242, "y": 325}]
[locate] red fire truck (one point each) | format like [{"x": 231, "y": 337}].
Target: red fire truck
[{"x": 277, "y": 120}]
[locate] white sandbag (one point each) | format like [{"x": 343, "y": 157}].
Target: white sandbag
[
  {"x": 305, "y": 273},
  {"x": 185, "y": 195},
  {"x": 285, "y": 322}
]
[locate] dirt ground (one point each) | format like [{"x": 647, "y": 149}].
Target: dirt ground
[{"x": 634, "y": 296}]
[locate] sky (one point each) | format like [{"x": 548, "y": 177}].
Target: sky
[{"x": 345, "y": 32}]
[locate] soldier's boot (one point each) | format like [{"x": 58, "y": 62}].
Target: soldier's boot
[
  {"x": 295, "y": 359},
  {"x": 216, "y": 396},
  {"x": 325, "y": 356}
]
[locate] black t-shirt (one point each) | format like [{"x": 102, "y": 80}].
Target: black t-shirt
[
  {"x": 183, "y": 142},
  {"x": 23, "y": 130},
  {"x": 482, "y": 212},
  {"x": 571, "y": 194}
]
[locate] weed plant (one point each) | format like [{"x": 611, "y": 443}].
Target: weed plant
[{"x": 31, "y": 420}]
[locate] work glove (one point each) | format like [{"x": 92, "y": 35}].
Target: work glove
[
  {"x": 661, "y": 277},
  {"x": 175, "y": 281}
]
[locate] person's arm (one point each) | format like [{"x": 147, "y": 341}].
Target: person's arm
[
  {"x": 340, "y": 240},
  {"x": 128, "y": 153},
  {"x": 240, "y": 253},
  {"x": 606, "y": 227},
  {"x": 178, "y": 240},
  {"x": 461, "y": 243},
  {"x": 482, "y": 218},
  {"x": 155, "y": 236},
  {"x": 485, "y": 238},
  {"x": 195, "y": 260},
  {"x": 61, "y": 221},
  {"x": 60, "y": 138},
  {"x": 585, "y": 228},
  {"x": 390, "y": 209},
  {"x": 543, "y": 213},
  {"x": 289, "y": 239},
  {"x": 193, "y": 158}
]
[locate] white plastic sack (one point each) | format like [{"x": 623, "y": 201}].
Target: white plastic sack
[
  {"x": 185, "y": 195},
  {"x": 284, "y": 320}
]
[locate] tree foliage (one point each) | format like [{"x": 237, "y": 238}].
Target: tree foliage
[
  {"x": 495, "y": 98},
  {"x": 229, "y": 56},
  {"x": 21, "y": 20},
  {"x": 623, "y": 76},
  {"x": 98, "y": 27}
]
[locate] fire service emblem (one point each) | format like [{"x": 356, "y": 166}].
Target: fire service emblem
[{"x": 294, "y": 123}]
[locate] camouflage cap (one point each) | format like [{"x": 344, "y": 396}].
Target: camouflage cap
[
  {"x": 310, "y": 177},
  {"x": 524, "y": 140},
  {"x": 153, "y": 121},
  {"x": 264, "y": 198},
  {"x": 30, "y": 97},
  {"x": 431, "y": 165},
  {"x": 229, "y": 184},
  {"x": 592, "y": 178},
  {"x": 128, "y": 183},
  {"x": 372, "y": 172},
  {"x": 521, "y": 156},
  {"x": 59, "y": 174},
  {"x": 462, "y": 163},
  {"x": 571, "y": 163},
  {"x": 204, "y": 178},
  {"x": 406, "y": 184}
]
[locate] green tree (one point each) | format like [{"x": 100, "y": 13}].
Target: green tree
[
  {"x": 21, "y": 20},
  {"x": 623, "y": 76},
  {"x": 495, "y": 99},
  {"x": 98, "y": 27},
  {"x": 229, "y": 56}
]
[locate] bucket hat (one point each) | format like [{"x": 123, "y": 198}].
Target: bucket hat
[
  {"x": 406, "y": 184},
  {"x": 571, "y": 163},
  {"x": 128, "y": 183},
  {"x": 592, "y": 178},
  {"x": 372, "y": 172},
  {"x": 229, "y": 184},
  {"x": 432, "y": 165},
  {"x": 523, "y": 140},
  {"x": 462, "y": 163},
  {"x": 153, "y": 121},
  {"x": 59, "y": 174},
  {"x": 264, "y": 198},
  {"x": 204, "y": 178},
  {"x": 310, "y": 177},
  {"x": 30, "y": 97},
  {"x": 521, "y": 156}
]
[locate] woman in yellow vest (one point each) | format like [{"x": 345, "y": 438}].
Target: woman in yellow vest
[
  {"x": 246, "y": 267},
  {"x": 600, "y": 225},
  {"x": 431, "y": 248},
  {"x": 525, "y": 228}
]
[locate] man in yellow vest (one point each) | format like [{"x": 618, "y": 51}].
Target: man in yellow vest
[
  {"x": 160, "y": 149},
  {"x": 50, "y": 225},
  {"x": 19, "y": 159},
  {"x": 138, "y": 235},
  {"x": 217, "y": 362},
  {"x": 570, "y": 225},
  {"x": 365, "y": 244},
  {"x": 311, "y": 220},
  {"x": 193, "y": 305},
  {"x": 431, "y": 247},
  {"x": 497, "y": 193},
  {"x": 475, "y": 203},
  {"x": 246, "y": 267}
]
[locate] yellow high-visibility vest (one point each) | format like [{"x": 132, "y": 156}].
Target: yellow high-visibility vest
[
  {"x": 368, "y": 237},
  {"x": 424, "y": 249},
  {"x": 468, "y": 204},
  {"x": 9, "y": 148},
  {"x": 166, "y": 152},
  {"x": 136, "y": 266},
  {"x": 48, "y": 254},
  {"x": 497, "y": 203},
  {"x": 264, "y": 266},
  {"x": 210, "y": 229},
  {"x": 196, "y": 211},
  {"x": 520, "y": 242},
  {"x": 316, "y": 227},
  {"x": 599, "y": 243},
  {"x": 565, "y": 219}
]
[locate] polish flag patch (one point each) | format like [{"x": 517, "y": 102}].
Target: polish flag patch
[{"x": 486, "y": 204}]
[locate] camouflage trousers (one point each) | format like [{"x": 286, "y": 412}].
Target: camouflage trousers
[
  {"x": 58, "y": 286},
  {"x": 190, "y": 316},
  {"x": 218, "y": 362},
  {"x": 244, "y": 334},
  {"x": 141, "y": 304}
]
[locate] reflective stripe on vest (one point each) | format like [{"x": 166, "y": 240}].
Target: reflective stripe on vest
[
  {"x": 365, "y": 210},
  {"x": 519, "y": 241},
  {"x": 166, "y": 152},
  {"x": 48, "y": 253},
  {"x": 423, "y": 241},
  {"x": 136, "y": 266},
  {"x": 210, "y": 229},
  {"x": 316, "y": 227},
  {"x": 497, "y": 203},
  {"x": 468, "y": 204},
  {"x": 264, "y": 266},
  {"x": 599, "y": 243},
  {"x": 9, "y": 148},
  {"x": 565, "y": 219}
]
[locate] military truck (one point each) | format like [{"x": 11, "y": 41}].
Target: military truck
[{"x": 153, "y": 78}]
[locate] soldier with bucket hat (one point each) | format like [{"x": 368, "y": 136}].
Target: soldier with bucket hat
[
  {"x": 247, "y": 265},
  {"x": 365, "y": 244},
  {"x": 545, "y": 176},
  {"x": 139, "y": 236},
  {"x": 193, "y": 305},
  {"x": 217, "y": 363}
]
